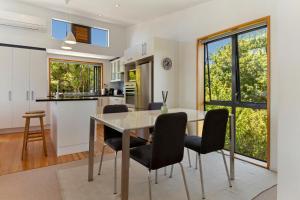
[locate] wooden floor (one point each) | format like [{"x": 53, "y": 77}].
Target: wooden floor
[{"x": 11, "y": 150}]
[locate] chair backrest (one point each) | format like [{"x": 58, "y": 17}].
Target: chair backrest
[
  {"x": 155, "y": 105},
  {"x": 109, "y": 132},
  {"x": 168, "y": 140},
  {"x": 214, "y": 130}
]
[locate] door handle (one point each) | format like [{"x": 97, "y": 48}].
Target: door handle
[
  {"x": 9, "y": 95},
  {"x": 32, "y": 95},
  {"x": 27, "y": 95}
]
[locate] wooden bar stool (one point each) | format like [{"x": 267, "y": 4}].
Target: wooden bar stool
[{"x": 34, "y": 136}]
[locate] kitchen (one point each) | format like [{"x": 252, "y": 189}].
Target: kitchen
[
  {"x": 63, "y": 61},
  {"x": 27, "y": 86},
  {"x": 130, "y": 84}
]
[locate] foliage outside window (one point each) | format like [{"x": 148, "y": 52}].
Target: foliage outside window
[
  {"x": 250, "y": 80},
  {"x": 74, "y": 77}
]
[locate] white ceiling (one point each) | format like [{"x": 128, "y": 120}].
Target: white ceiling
[{"x": 129, "y": 12}]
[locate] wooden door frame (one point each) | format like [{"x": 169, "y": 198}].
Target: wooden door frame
[{"x": 200, "y": 99}]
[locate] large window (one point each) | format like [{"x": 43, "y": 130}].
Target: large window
[
  {"x": 75, "y": 77},
  {"x": 236, "y": 78},
  {"x": 83, "y": 34}
]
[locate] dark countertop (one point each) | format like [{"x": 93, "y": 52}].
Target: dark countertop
[
  {"x": 67, "y": 99},
  {"x": 83, "y": 98}
]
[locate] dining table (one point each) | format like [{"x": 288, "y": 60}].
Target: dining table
[{"x": 127, "y": 122}]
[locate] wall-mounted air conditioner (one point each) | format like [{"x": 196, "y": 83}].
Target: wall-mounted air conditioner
[{"x": 18, "y": 20}]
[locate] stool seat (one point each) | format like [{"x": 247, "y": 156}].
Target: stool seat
[
  {"x": 34, "y": 115},
  {"x": 35, "y": 112},
  {"x": 34, "y": 136}
]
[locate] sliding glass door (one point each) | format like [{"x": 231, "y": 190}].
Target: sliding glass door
[{"x": 236, "y": 78}]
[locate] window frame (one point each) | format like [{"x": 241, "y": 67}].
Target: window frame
[
  {"x": 61, "y": 21},
  {"x": 108, "y": 36},
  {"x": 101, "y": 72},
  {"x": 236, "y": 88},
  {"x": 200, "y": 87}
]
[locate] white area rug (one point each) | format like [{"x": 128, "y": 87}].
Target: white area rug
[
  {"x": 250, "y": 180},
  {"x": 269, "y": 194}
]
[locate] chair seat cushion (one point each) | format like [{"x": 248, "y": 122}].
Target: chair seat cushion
[
  {"x": 142, "y": 155},
  {"x": 193, "y": 143},
  {"x": 116, "y": 142}
]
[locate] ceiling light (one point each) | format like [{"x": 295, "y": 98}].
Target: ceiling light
[
  {"x": 100, "y": 15},
  {"x": 65, "y": 46},
  {"x": 117, "y": 5},
  {"x": 70, "y": 39}
]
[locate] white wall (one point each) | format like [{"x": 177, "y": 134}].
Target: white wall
[
  {"x": 287, "y": 61},
  {"x": 187, "y": 25},
  {"x": 44, "y": 39},
  {"x": 166, "y": 79}
]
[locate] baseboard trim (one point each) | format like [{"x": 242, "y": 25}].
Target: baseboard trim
[{"x": 66, "y": 150}]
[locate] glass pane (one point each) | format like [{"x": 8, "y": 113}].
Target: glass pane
[
  {"x": 60, "y": 29},
  {"x": 251, "y": 133},
  {"x": 72, "y": 78},
  {"x": 253, "y": 65},
  {"x": 218, "y": 70},
  {"x": 227, "y": 139},
  {"x": 99, "y": 37}
]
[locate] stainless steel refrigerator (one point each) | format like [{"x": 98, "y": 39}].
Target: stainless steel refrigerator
[{"x": 138, "y": 91}]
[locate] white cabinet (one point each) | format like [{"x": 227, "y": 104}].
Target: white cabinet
[
  {"x": 38, "y": 81},
  {"x": 139, "y": 51},
  {"x": 104, "y": 101},
  {"x": 116, "y": 100},
  {"x": 6, "y": 62},
  {"x": 23, "y": 77},
  {"x": 117, "y": 70},
  {"x": 20, "y": 85}
]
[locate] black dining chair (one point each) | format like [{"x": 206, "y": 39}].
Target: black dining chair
[
  {"x": 213, "y": 139},
  {"x": 155, "y": 106},
  {"x": 164, "y": 151},
  {"x": 113, "y": 139}
]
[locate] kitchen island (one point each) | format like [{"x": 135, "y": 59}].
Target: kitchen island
[{"x": 69, "y": 119}]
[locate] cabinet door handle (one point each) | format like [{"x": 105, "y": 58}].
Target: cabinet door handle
[
  {"x": 9, "y": 95},
  {"x": 27, "y": 95},
  {"x": 32, "y": 95}
]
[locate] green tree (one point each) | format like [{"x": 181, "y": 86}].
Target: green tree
[
  {"x": 251, "y": 130},
  {"x": 71, "y": 77}
]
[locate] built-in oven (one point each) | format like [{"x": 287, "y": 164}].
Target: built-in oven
[{"x": 130, "y": 93}]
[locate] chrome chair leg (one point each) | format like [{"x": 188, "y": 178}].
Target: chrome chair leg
[
  {"x": 201, "y": 176},
  {"x": 226, "y": 168},
  {"x": 149, "y": 184},
  {"x": 196, "y": 164},
  {"x": 101, "y": 159},
  {"x": 156, "y": 171},
  {"x": 171, "y": 173},
  {"x": 115, "y": 174},
  {"x": 185, "y": 183},
  {"x": 165, "y": 171},
  {"x": 189, "y": 158}
]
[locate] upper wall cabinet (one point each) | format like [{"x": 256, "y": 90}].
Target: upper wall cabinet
[
  {"x": 117, "y": 70},
  {"x": 138, "y": 51}
]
